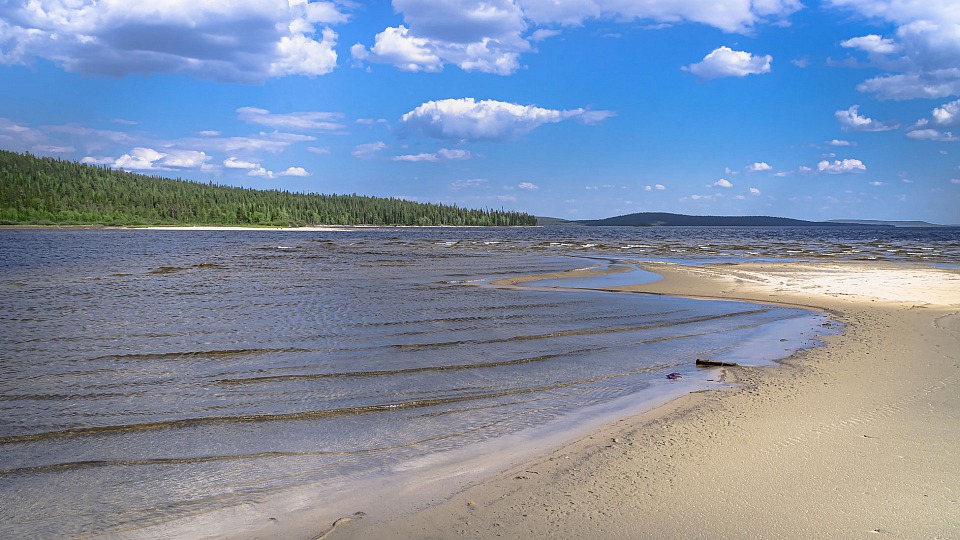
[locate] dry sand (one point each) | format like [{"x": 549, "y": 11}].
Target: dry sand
[{"x": 858, "y": 439}]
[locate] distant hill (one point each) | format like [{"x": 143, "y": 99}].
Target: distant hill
[
  {"x": 887, "y": 223},
  {"x": 649, "y": 219},
  {"x": 544, "y": 221}
]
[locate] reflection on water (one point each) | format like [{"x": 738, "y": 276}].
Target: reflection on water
[{"x": 150, "y": 375}]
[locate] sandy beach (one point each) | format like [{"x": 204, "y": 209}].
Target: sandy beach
[{"x": 857, "y": 439}]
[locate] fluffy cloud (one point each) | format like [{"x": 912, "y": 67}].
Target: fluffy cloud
[
  {"x": 944, "y": 116},
  {"x": 234, "y": 163},
  {"x": 291, "y": 171},
  {"x": 948, "y": 114},
  {"x": 851, "y": 120},
  {"x": 187, "y": 159},
  {"x": 148, "y": 159},
  {"x": 760, "y": 166},
  {"x": 528, "y": 186},
  {"x": 139, "y": 159},
  {"x": 244, "y": 40},
  {"x": 297, "y": 121},
  {"x": 840, "y": 167},
  {"x": 474, "y": 35},
  {"x": 872, "y": 43},
  {"x": 754, "y": 191},
  {"x": 490, "y": 35},
  {"x": 658, "y": 187},
  {"x": 726, "y": 62},
  {"x": 255, "y": 169},
  {"x": 723, "y": 182},
  {"x": 923, "y": 53},
  {"x": 839, "y": 142},
  {"x": 396, "y": 46},
  {"x": 471, "y": 120}
]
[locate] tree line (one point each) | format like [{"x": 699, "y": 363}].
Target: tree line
[{"x": 48, "y": 191}]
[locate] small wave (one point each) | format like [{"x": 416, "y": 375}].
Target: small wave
[
  {"x": 317, "y": 414},
  {"x": 190, "y": 354},
  {"x": 584, "y": 332},
  {"x": 388, "y": 372}
]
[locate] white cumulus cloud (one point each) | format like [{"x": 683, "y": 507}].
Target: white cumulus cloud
[
  {"x": 139, "y": 159},
  {"x": 841, "y": 166},
  {"x": 491, "y": 35},
  {"x": 923, "y": 54},
  {"x": 852, "y": 120},
  {"x": 234, "y": 163},
  {"x": 723, "y": 182},
  {"x": 148, "y": 159},
  {"x": 290, "y": 171},
  {"x": 871, "y": 43},
  {"x": 396, "y": 46},
  {"x": 475, "y": 35},
  {"x": 185, "y": 159},
  {"x": 726, "y": 62},
  {"x": 528, "y": 186},
  {"x": 242, "y": 40},
  {"x": 948, "y": 114},
  {"x": 759, "y": 166},
  {"x": 471, "y": 120},
  {"x": 840, "y": 142}
]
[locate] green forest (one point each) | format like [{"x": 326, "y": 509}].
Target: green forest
[{"x": 47, "y": 191}]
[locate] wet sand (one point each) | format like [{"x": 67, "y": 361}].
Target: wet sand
[{"x": 858, "y": 439}]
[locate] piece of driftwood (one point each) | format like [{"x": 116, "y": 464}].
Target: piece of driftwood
[{"x": 715, "y": 363}]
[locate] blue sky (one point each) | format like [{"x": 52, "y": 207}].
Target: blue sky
[{"x": 574, "y": 109}]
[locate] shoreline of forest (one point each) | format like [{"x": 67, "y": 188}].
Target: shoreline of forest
[{"x": 307, "y": 228}]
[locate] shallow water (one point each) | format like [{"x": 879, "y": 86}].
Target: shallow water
[{"x": 147, "y": 376}]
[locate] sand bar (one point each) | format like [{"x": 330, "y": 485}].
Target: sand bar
[{"x": 858, "y": 439}]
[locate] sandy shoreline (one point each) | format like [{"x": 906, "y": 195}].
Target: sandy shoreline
[{"x": 858, "y": 439}]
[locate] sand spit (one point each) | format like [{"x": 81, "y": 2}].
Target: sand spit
[{"x": 858, "y": 439}]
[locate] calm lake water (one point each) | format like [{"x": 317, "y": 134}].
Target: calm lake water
[{"x": 153, "y": 376}]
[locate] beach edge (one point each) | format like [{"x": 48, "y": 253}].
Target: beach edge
[{"x": 846, "y": 430}]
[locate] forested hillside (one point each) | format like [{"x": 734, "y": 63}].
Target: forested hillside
[{"x": 49, "y": 191}]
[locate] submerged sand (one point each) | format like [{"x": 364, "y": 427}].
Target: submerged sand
[{"x": 858, "y": 439}]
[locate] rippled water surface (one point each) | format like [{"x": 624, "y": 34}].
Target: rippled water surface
[{"x": 147, "y": 376}]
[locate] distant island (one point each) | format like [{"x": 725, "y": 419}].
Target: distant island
[
  {"x": 874, "y": 222},
  {"x": 46, "y": 191},
  {"x": 663, "y": 219}
]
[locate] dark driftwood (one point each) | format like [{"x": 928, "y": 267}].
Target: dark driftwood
[{"x": 715, "y": 363}]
